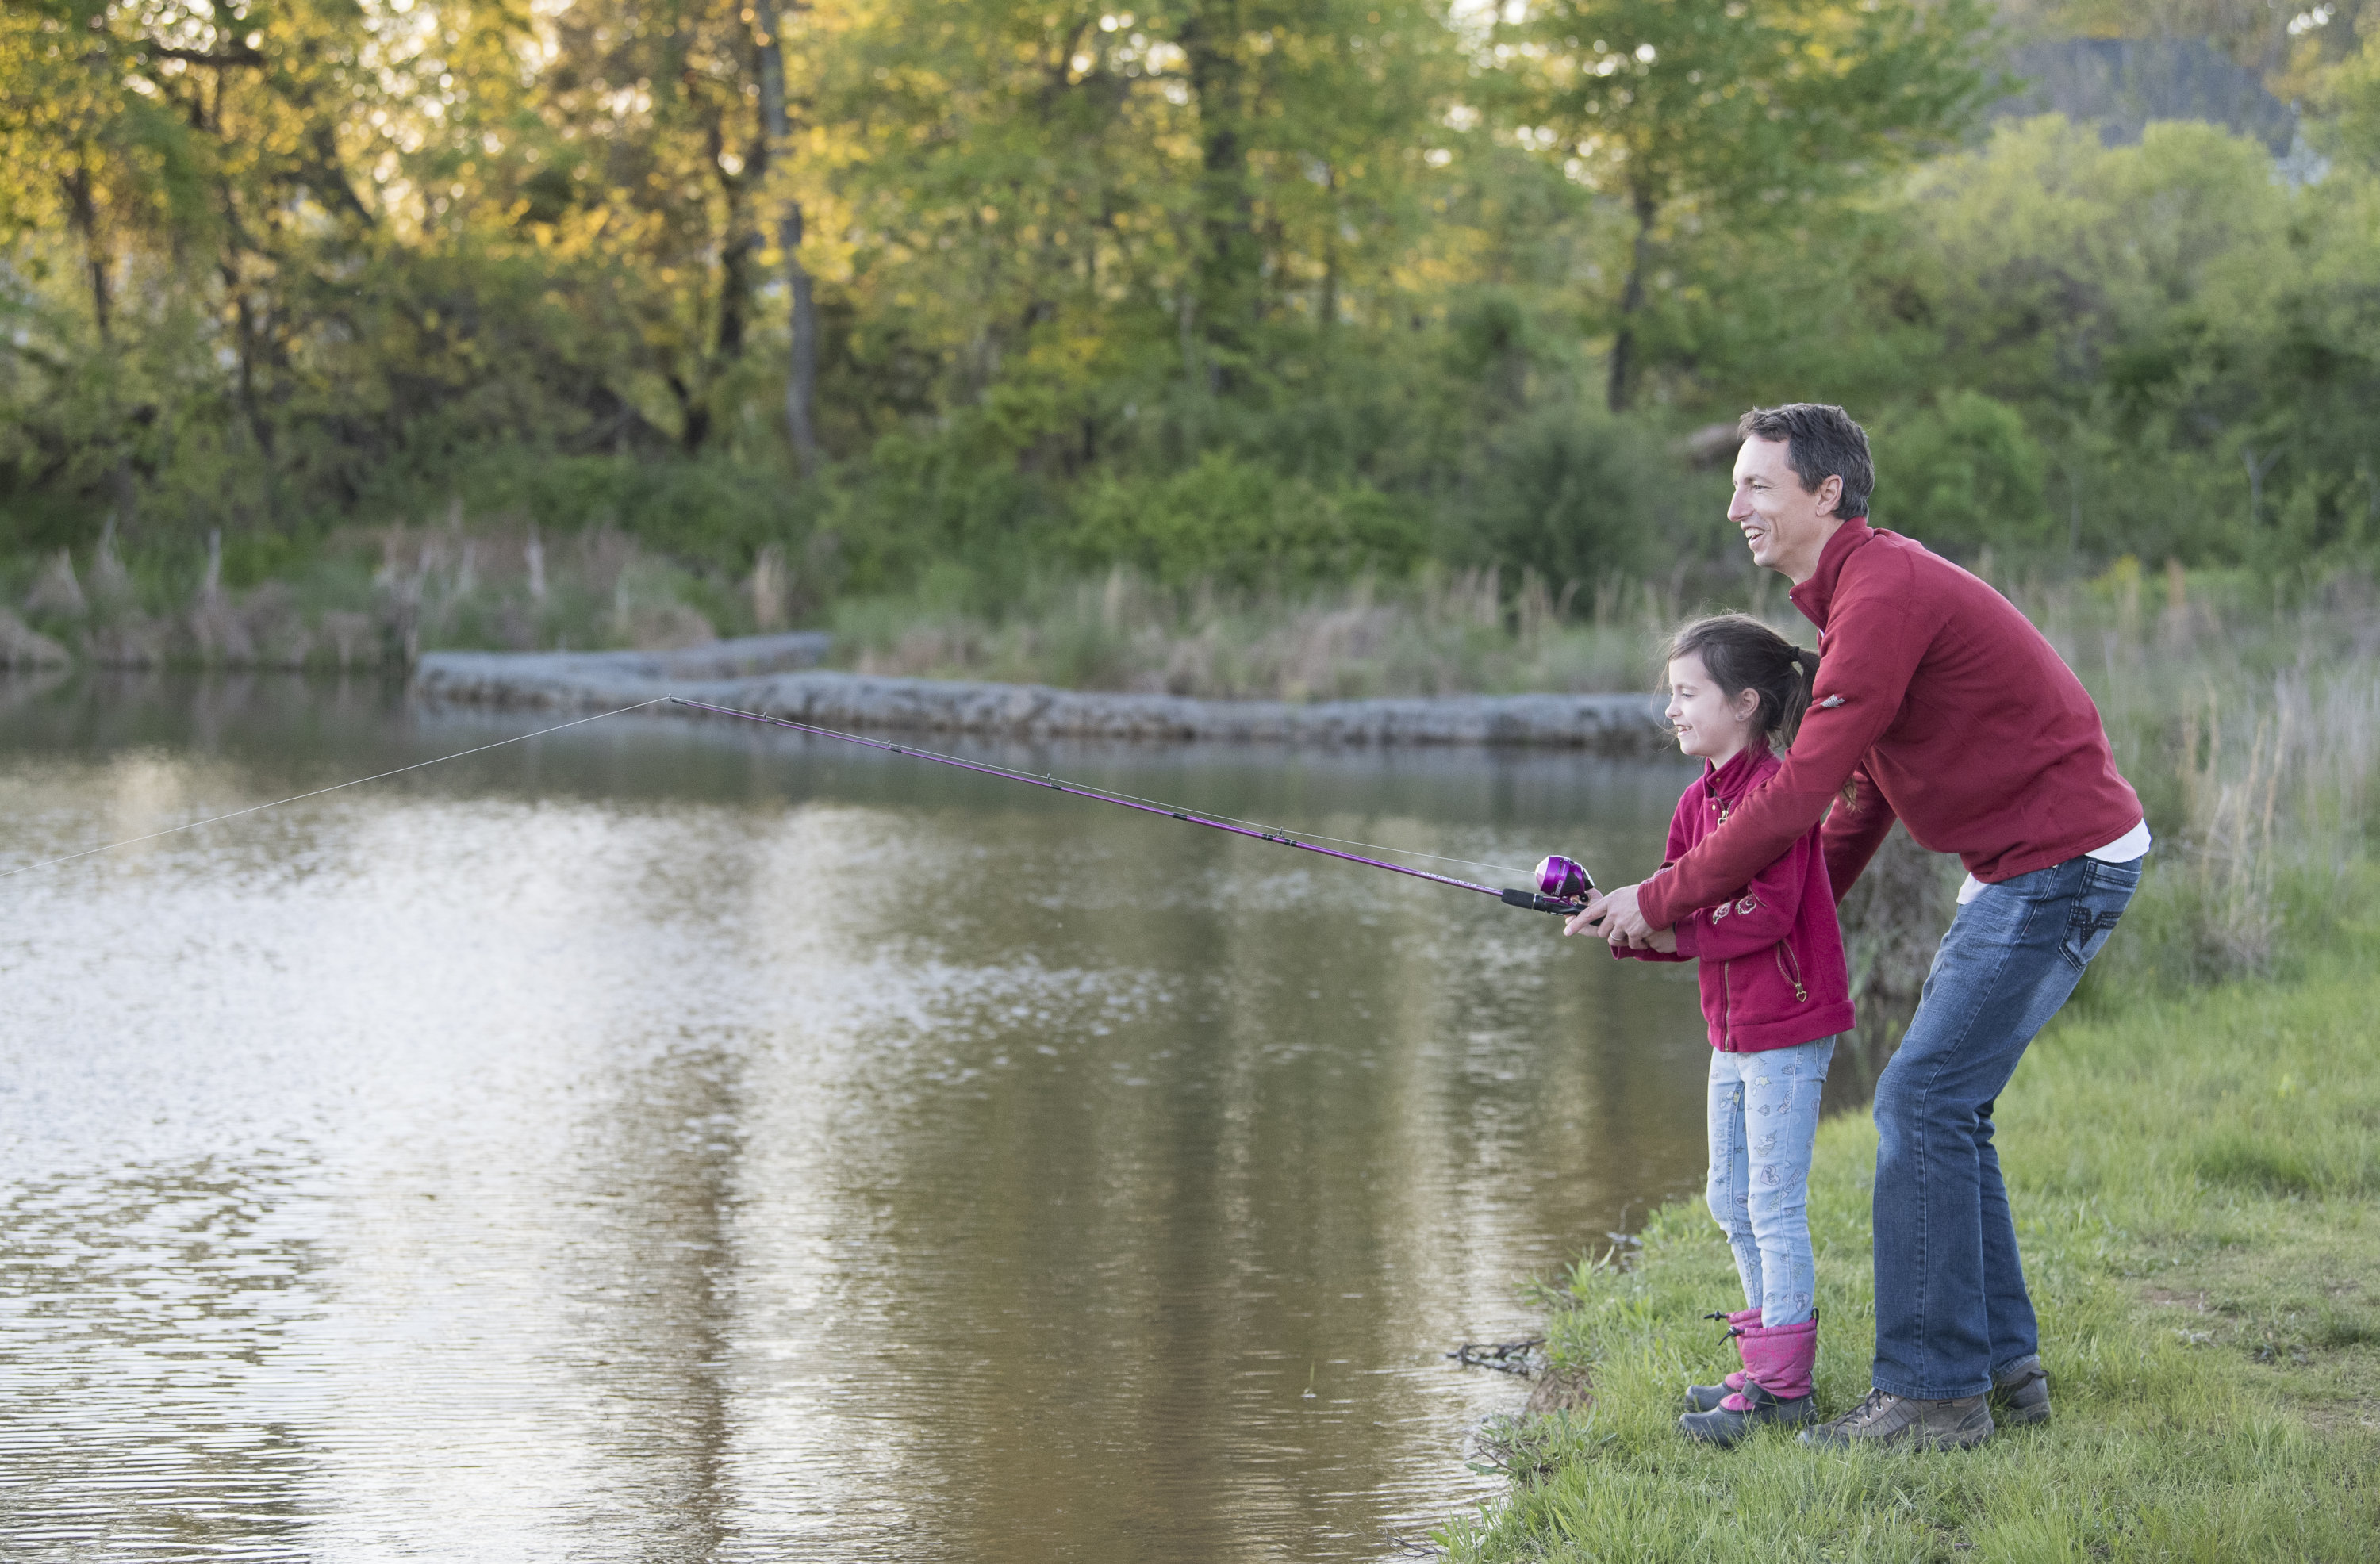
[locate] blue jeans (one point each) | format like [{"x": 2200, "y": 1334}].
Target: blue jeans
[
  {"x": 1764, "y": 1114},
  {"x": 1950, "y": 1304}
]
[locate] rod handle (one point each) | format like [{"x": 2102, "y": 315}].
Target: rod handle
[{"x": 1532, "y": 902}]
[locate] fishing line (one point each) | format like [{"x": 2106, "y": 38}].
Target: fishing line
[
  {"x": 1563, "y": 885},
  {"x": 1312, "y": 836},
  {"x": 211, "y": 820},
  {"x": 1136, "y": 798}
]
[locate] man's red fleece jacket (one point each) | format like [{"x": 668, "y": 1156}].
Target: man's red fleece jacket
[{"x": 1946, "y": 709}]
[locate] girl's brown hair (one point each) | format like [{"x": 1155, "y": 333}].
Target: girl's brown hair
[{"x": 1741, "y": 653}]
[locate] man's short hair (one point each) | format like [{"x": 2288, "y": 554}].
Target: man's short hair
[{"x": 1821, "y": 442}]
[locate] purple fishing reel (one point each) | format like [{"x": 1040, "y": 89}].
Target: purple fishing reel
[
  {"x": 1563, "y": 886},
  {"x": 1564, "y": 877}
]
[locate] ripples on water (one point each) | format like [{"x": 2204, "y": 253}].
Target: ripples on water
[{"x": 662, "y": 1141}]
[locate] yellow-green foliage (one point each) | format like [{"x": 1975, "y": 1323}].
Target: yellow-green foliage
[{"x": 2192, "y": 1179}]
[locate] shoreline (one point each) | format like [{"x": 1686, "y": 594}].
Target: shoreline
[{"x": 777, "y": 676}]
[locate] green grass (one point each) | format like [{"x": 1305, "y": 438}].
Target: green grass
[{"x": 2194, "y": 1182}]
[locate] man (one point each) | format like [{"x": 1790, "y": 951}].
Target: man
[{"x": 1937, "y": 703}]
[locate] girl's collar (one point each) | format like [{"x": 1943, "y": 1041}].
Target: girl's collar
[{"x": 1734, "y": 778}]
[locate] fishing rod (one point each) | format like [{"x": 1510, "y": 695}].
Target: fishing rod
[{"x": 1563, "y": 884}]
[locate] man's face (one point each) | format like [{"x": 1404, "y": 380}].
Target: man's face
[{"x": 1786, "y": 525}]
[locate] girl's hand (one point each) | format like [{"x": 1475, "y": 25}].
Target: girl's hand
[
  {"x": 1664, "y": 941},
  {"x": 1578, "y": 922}
]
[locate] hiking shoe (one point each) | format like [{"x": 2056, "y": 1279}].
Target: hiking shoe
[
  {"x": 2020, "y": 1392},
  {"x": 1886, "y": 1419},
  {"x": 1724, "y": 1425}
]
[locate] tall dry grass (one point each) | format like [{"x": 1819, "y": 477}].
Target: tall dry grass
[
  {"x": 2252, "y": 729},
  {"x": 1444, "y": 632},
  {"x": 376, "y": 596}
]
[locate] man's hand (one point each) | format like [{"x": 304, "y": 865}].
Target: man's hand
[
  {"x": 1582, "y": 920},
  {"x": 1621, "y": 923}
]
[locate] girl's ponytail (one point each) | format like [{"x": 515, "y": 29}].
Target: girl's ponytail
[{"x": 1803, "y": 686}]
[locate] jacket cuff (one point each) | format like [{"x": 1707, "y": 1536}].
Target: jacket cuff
[
  {"x": 1689, "y": 930},
  {"x": 1653, "y": 900}
]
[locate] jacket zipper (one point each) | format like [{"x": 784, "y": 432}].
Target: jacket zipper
[
  {"x": 1792, "y": 970},
  {"x": 1726, "y": 974}
]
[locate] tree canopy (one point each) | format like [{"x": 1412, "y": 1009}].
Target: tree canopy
[{"x": 1237, "y": 288}]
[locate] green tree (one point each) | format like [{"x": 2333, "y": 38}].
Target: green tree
[
  {"x": 1741, "y": 114},
  {"x": 1148, "y": 203},
  {"x": 1964, "y": 472}
]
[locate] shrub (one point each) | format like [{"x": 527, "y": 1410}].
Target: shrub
[
  {"x": 1575, "y": 497},
  {"x": 1233, "y": 520},
  {"x": 1964, "y": 472}
]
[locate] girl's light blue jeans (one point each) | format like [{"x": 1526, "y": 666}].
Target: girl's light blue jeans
[{"x": 1763, "y": 1116}]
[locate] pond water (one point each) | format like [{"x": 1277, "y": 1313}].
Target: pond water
[{"x": 673, "y": 1139}]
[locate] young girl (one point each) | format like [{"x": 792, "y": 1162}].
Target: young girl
[{"x": 1774, "y": 991}]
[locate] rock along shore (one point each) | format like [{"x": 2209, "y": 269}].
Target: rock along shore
[{"x": 776, "y": 675}]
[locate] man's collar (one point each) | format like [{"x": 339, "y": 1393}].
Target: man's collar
[{"x": 1815, "y": 595}]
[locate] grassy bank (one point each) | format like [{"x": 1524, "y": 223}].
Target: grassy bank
[{"x": 2193, "y": 1178}]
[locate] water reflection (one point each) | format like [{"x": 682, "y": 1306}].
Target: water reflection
[{"x": 659, "y": 1141}]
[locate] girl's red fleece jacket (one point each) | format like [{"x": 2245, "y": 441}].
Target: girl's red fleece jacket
[
  {"x": 1772, "y": 954},
  {"x": 1947, "y": 708}
]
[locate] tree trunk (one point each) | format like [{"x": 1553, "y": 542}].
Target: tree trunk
[
  {"x": 1632, "y": 300},
  {"x": 693, "y": 414},
  {"x": 1329, "y": 309},
  {"x": 244, "y": 334},
  {"x": 801, "y": 371},
  {"x": 2258, "y": 468},
  {"x": 1228, "y": 268},
  {"x": 801, "y": 377},
  {"x": 1892, "y": 922},
  {"x": 743, "y": 240},
  {"x": 85, "y": 208}
]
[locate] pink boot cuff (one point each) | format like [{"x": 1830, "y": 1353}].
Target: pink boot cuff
[
  {"x": 1737, "y": 1324},
  {"x": 1779, "y": 1359}
]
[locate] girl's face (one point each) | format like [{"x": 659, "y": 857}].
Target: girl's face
[{"x": 1709, "y": 725}]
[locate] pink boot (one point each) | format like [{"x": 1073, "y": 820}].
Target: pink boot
[
  {"x": 1778, "y": 1360},
  {"x": 1702, "y": 1398}
]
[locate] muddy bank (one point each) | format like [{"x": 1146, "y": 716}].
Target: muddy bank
[{"x": 775, "y": 675}]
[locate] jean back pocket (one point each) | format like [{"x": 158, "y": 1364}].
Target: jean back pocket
[{"x": 2099, "y": 905}]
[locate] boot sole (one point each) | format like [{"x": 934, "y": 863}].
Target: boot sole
[{"x": 1792, "y": 1414}]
